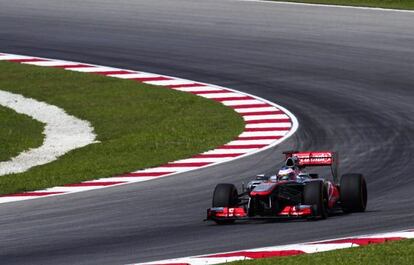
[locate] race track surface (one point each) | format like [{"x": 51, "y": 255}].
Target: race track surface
[{"x": 348, "y": 75}]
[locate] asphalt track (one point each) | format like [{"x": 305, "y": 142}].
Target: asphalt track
[{"x": 348, "y": 75}]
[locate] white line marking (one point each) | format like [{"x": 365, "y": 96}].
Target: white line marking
[
  {"x": 165, "y": 169},
  {"x": 202, "y": 160},
  {"x": 63, "y": 133},
  {"x": 219, "y": 151},
  {"x": 51, "y": 63},
  {"x": 271, "y": 133},
  {"x": 93, "y": 69},
  {"x": 241, "y": 102},
  {"x": 135, "y": 75},
  {"x": 247, "y": 142},
  {"x": 123, "y": 179},
  {"x": 220, "y": 95},
  {"x": 69, "y": 189},
  {"x": 14, "y": 57},
  {"x": 15, "y": 199},
  {"x": 269, "y": 125},
  {"x": 169, "y": 82},
  {"x": 329, "y": 6},
  {"x": 247, "y": 110},
  {"x": 307, "y": 247},
  {"x": 197, "y": 88},
  {"x": 265, "y": 117}
]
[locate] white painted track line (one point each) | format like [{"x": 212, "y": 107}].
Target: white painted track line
[
  {"x": 287, "y": 250},
  {"x": 197, "y": 88},
  {"x": 51, "y": 63},
  {"x": 263, "y": 109},
  {"x": 170, "y": 82},
  {"x": 378, "y": 9},
  {"x": 135, "y": 75}
]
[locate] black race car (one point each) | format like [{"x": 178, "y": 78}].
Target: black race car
[{"x": 296, "y": 195}]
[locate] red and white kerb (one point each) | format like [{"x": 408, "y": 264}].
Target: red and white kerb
[
  {"x": 266, "y": 125},
  {"x": 287, "y": 250}
]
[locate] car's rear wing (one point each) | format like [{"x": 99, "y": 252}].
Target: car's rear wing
[{"x": 313, "y": 159}]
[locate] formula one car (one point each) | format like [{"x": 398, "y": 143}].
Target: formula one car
[{"x": 292, "y": 193}]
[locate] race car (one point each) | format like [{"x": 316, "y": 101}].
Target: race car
[{"x": 292, "y": 193}]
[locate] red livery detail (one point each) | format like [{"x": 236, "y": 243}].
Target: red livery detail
[
  {"x": 226, "y": 212},
  {"x": 296, "y": 211},
  {"x": 313, "y": 158}
]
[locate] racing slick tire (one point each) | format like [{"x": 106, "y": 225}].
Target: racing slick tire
[
  {"x": 353, "y": 193},
  {"x": 225, "y": 195},
  {"x": 314, "y": 194}
]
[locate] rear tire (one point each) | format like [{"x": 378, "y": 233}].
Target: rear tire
[
  {"x": 225, "y": 195},
  {"x": 354, "y": 194},
  {"x": 314, "y": 194}
]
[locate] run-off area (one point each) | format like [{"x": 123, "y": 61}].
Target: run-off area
[{"x": 137, "y": 125}]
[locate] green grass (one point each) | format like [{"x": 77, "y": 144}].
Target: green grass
[
  {"x": 17, "y": 133},
  {"x": 391, "y": 253},
  {"x": 139, "y": 126},
  {"x": 393, "y": 4}
]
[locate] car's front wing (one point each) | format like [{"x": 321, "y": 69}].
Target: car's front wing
[{"x": 239, "y": 213}]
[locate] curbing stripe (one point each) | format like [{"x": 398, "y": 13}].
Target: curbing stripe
[
  {"x": 258, "y": 254},
  {"x": 26, "y": 60},
  {"x": 51, "y": 63},
  {"x": 216, "y": 155},
  {"x": 254, "y": 113},
  {"x": 26, "y": 194},
  {"x": 147, "y": 174},
  {"x": 264, "y": 132},
  {"x": 259, "y": 138},
  {"x": 288, "y": 250},
  {"x": 93, "y": 183},
  {"x": 197, "y": 88},
  {"x": 266, "y": 125},
  {"x": 188, "y": 164},
  {"x": 70, "y": 66}
]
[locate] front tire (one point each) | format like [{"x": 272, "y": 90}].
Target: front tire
[
  {"x": 314, "y": 194},
  {"x": 225, "y": 195},
  {"x": 354, "y": 194}
]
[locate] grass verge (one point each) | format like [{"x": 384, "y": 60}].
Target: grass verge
[
  {"x": 139, "y": 126},
  {"x": 396, "y": 252},
  {"x": 393, "y": 4},
  {"x": 18, "y": 133}
]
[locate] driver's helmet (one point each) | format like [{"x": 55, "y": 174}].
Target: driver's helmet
[{"x": 286, "y": 173}]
